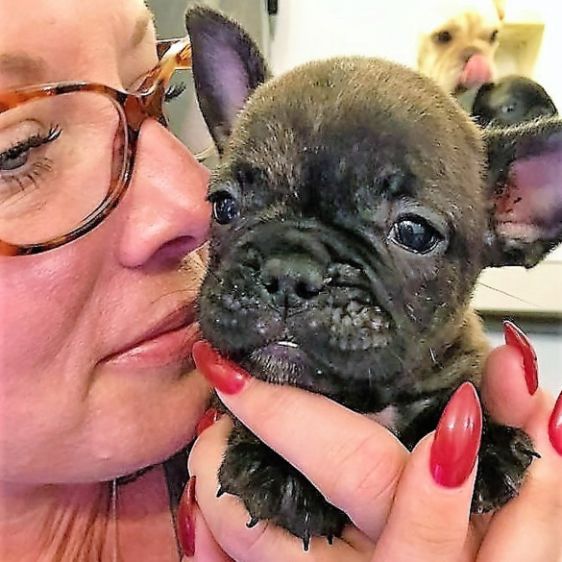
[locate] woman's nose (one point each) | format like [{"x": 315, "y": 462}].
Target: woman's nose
[{"x": 166, "y": 212}]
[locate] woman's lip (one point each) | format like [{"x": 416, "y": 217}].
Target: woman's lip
[
  {"x": 171, "y": 347},
  {"x": 170, "y": 340}
]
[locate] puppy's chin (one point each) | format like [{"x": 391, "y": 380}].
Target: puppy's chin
[
  {"x": 283, "y": 362},
  {"x": 324, "y": 359}
]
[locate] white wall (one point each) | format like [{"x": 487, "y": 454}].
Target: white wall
[{"x": 313, "y": 29}]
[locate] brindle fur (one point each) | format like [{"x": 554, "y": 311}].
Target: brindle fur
[{"x": 322, "y": 160}]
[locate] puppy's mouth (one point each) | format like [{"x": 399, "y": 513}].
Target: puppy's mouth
[
  {"x": 315, "y": 348},
  {"x": 304, "y": 310},
  {"x": 284, "y": 358}
]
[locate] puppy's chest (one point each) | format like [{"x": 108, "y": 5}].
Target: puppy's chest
[{"x": 396, "y": 417}]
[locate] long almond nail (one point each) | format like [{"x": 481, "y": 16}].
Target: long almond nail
[
  {"x": 555, "y": 425},
  {"x": 185, "y": 522},
  {"x": 223, "y": 374},
  {"x": 515, "y": 337},
  {"x": 207, "y": 420},
  {"x": 457, "y": 439}
]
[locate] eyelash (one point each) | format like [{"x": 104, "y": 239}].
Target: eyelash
[
  {"x": 173, "y": 91},
  {"x": 43, "y": 165}
]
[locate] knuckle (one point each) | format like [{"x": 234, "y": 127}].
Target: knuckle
[
  {"x": 245, "y": 544},
  {"x": 426, "y": 535},
  {"x": 271, "y": 405},
  {"x": 368, "y": 469}
]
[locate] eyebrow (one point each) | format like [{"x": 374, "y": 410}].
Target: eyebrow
[
  {"x": 23, "y": 67},
  {"x": 141, "y": 28}
]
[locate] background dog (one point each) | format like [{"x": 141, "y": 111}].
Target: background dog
[
  {"x": 350, "y": 223},
  {"x": 511, "y": 100},
  {"x": 458, "y": 43}
]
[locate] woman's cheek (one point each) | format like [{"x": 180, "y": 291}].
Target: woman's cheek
[{"x": 42, "y": 299}]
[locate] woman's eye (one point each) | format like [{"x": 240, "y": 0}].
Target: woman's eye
[
  {"x": 225, "y": 207},
  {"x": 25, "y": 162},
  {"x": 18, "y": 155},
  {"x": 13, "y": 159},
  {"x": 415, "y": 234}
]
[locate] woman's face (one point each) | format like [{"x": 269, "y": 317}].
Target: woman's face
[{"x": 93, "y": 377}]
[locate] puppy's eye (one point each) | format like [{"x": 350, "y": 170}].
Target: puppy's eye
[
  {"x": 494, "y": 36},
  {"x": 225, "y": 207},
  {"x": 415, "y": 234},
  {"x": 443, "y": 37}
]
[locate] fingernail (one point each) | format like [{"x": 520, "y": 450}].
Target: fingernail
[
  {"x": 457, "y": 439},
  {"x": 185, "y": 521},
  {"x": 514, "y": 337},
  {"x": 555, "y": 425},
  {"x": 207, "y": 420},
  {"x": 223, "y": 374}
]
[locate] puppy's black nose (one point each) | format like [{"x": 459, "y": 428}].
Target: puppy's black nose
[{"x": 291, "y": 279}]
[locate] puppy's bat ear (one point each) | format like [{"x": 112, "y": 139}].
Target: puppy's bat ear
[
  {"x": 525, "y": 192},
  {"x": 227, "y": 67}
]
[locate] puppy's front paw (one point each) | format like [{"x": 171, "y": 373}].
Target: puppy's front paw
[
  {"x": 272, "y": 490},
  {"x": 505, "y": 455}
]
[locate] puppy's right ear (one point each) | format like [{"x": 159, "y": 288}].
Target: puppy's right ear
[{"x": 227, "y": 68}]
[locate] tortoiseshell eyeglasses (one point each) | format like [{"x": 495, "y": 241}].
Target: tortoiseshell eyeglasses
[{"x": 67, "y": 152}]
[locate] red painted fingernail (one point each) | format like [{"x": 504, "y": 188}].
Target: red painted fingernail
[
  {"x": 555, "y": 425},
  {"x": 185, "y": 521},
  {"x": 223, "y": 374},
  {"x": 457, "y": 439},
  {"x": 514, "y": 337},
  {"x": 207, "y": 420}
]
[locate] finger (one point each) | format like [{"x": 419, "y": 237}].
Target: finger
[
  {"x": 511, "y": 379},
  {"x": 429, "y": 521},
  {"x": 529, "y": 527},
  {"x": 226, "y": 517},
  {"x": 206, "y": 547},
  {"x": 312, "y": 432},
  {"x": 504, "y": 390},
  {"x": 524, "y": 535}
]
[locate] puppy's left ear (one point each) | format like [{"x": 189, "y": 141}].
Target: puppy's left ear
[
  {"x": 227, "y": 68},
  {"x": 525, "y": 192}
]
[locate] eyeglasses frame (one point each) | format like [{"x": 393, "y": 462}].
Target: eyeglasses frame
[{"x": 135, "y": 107}]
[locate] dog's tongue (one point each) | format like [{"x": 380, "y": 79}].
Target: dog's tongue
[{"x": 476, "y": 72}]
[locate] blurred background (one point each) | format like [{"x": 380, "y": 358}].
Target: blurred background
[{"x": 291, "y": 32}]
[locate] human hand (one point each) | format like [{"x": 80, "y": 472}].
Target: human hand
[
  {"x": 370, "y": 473},
  {"x": 529, "y": 527}
]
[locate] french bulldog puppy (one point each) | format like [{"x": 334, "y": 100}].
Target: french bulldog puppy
[
  {"x": 354, "y": 207},
  {"x": 510, "y": 101}
]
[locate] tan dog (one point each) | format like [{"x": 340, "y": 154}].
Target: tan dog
[{"x": 458, "y": 43}]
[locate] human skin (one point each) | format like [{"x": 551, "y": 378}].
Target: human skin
[
  {"x": 399, "y": 511},
  {"x": 69, "y": 418},
  {"x": 69, "y": 415}
]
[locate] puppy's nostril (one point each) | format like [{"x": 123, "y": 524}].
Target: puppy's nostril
[
  {"x": 306, "y": 290},
  {"x": 253, "y": 260},
  {"x": 272, "y": 286},
  {"x": 293, "y": 278}
]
